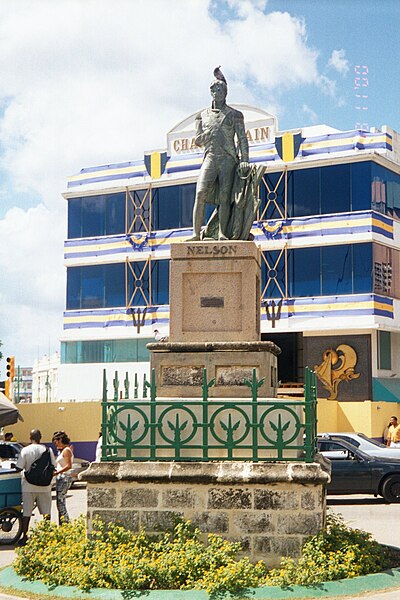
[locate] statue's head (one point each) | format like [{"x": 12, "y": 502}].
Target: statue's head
[{"x": 218, "y": 90}]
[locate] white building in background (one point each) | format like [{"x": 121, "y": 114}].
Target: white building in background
[
  {"x": 22, "y": 386},
  {"x": 45, "y": 378}
]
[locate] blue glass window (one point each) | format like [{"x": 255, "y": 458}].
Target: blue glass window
[
  {"x": 304, "y": 266},
  {"x": 385, "y": 190},
  {"x": 172, "y": 206},
  {"x": 336, "y": 270},
  {"x": 330, "y": 270},
  {"x": 96, "y": 286},
  {"x": 115, "y": 213},
  {"x": 93, "y": 216},
  {"x": 107, "y": 351},
  {"x": 361, "y": 186},
  {"x": 73, "y": 288},
  {"x": 74, "y": 218},
  {"x": 335, "y": 189},
  {"x": 304, "y": 193},
  {"x": 160, "y": 282},
  {"x": 362, "y": 268}
]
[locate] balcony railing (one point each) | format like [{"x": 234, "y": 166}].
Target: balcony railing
[{"x": 203, "y": 429}]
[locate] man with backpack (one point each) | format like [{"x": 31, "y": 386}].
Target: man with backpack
[{"x": 38, "y": 465}]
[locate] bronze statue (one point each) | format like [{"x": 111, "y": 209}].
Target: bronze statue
[{"x": 226, "y": 178}]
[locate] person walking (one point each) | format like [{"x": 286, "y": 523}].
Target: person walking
[
  {"x": 31, "y": 493},
  {"x": 63, "y": 474},
  {"x": 393, "y": 439}
]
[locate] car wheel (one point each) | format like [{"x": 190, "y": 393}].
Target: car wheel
[{"x": 391, "y": 489}]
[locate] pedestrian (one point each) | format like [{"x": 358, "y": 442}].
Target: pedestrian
[
  {"x": 63, "y": 473},
  {"x": 31, "y": 493},
  {"x": 9, "y": 437},
  {"x": 385, "y": 433},
  {"x": 393, "y": 439}
]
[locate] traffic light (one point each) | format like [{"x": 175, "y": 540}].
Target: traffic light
[
  {"x": 10, "y": 367},
  {"x": 7, "y": 389}
]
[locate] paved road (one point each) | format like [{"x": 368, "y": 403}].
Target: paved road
[{"x": 363, "y": 512}]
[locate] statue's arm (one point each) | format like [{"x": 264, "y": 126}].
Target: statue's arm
[
  {"x": 202, "y": 136},
  {"x": 243, "y": 143}
]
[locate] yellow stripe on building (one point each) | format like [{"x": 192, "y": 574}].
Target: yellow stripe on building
[
  {"x": 287, "y": 147},
  {"x": 105, "y": 173},
  {"x": 155, "y": 165}
]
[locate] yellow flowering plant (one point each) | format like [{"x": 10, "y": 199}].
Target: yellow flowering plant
[{"x": 113, "y": 557}]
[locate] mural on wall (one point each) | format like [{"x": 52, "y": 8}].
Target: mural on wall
[
  {"x": 340, "y": 358},
  {"x": 337, "y": 366}
]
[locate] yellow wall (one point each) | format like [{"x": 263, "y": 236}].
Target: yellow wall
[
  {"x": 365, "y": 417},
  {"x": 81, "y": 420}
]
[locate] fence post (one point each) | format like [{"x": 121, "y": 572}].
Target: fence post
[
  {"x": 205, "y": 424},
  {"x": 104, "y": 418},
  {"x": 310, "y": 406},
  {"x": 254, "y": 384}
]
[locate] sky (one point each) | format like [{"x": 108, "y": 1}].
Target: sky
[{"x": 91, "y": 82}]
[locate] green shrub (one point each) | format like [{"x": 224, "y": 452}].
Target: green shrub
[
  {"x": 337, "y": 552},
  {"x": 112, "y": 557}
]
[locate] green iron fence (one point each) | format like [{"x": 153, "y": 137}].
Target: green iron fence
[{"x": 204, "y": 429}]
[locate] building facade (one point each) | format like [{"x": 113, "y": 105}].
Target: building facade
[
  {"x": 328, "y": 228},
  {"x": 45, "y": 378}
]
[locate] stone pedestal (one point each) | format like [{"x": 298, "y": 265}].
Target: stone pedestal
[
  {"x": 270, "y": 508},
  {"x": 215, "y": 292},
  {"x": 179, "y": 368},
  {"x": 214, "y": 323}
]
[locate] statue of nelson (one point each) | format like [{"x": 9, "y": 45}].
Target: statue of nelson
[{"x": 220, "y": 130}]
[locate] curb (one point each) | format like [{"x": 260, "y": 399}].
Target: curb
[{"x": 331, "y": 589}]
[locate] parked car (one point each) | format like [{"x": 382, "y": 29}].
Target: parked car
[
  {"x": 362, "y": 442},
  {"x": 9, "y": 452},
  {"x": 78, "y": 465},
  {"x": 355, "y": 472}
]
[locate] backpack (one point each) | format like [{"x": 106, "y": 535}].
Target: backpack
[{"x": 41, "y": 471}]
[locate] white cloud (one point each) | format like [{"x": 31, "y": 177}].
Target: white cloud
[
  {"x": 100, "y": 81},
  {"x": 310, "y": 114},
  {"x": 338, "y": 61},
  {"x": 32, "y": 283}
]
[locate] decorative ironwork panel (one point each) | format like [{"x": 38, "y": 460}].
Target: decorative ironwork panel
[
  {"x": 203, "y": 430},
  {"x": 273, "y": 193},
  {"x": 138, "y": 283},
  {"x": 274, "y": 268},
  {"x": 138, "y": 211}
]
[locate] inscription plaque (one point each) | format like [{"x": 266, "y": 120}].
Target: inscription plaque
[
  {"x": 182, "y": 376},
  {"x": 213, "y": 301},
  {"x": 233, "y": 375}
]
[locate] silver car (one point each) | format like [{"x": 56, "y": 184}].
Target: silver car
[{"x": 358, "y": 440}]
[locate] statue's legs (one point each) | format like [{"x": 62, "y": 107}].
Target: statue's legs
[
  {"x": 214, "y": 186},
  {"x": 205, "y": 191},
  {"x": 199, "y": 211},
  {"x": 226, "y": 173}
]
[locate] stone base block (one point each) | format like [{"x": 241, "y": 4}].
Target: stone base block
[
  {"x": 179, "y": 368},
  {"x": 270, "y": 507},
  {"x": 215, "y": 291}
]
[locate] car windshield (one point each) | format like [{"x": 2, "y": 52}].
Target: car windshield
[{"x": 371, "y": 441}]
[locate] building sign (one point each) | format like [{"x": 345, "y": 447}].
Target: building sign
[{"x": 260, "y": 129}]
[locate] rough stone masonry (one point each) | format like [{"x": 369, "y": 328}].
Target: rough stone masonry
[{"x": 270, "y": 507}]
